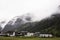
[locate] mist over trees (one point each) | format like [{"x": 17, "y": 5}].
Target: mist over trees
[
  {"x": 50, "y": 25},
  {"x": 17, "y": 23},
  {"x": 24, "y": 23},
  {"x": 46, "y": 25}
]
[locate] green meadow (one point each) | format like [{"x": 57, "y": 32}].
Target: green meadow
[{"x": 28, "y": 38}]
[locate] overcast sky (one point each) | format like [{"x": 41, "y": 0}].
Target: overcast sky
[{"x": 39, "y": 8}]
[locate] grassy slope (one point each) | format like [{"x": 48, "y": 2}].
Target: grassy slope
[{"x": 25, "y": 38}]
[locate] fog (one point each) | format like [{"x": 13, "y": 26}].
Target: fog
[{"x": 39, "y": 8}]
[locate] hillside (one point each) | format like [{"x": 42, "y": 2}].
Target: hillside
[{"x": 46, "y": 25}]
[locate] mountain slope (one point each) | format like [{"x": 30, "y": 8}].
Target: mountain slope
[{"x": 17, "y": 22}]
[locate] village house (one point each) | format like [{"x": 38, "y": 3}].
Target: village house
[
  {"x": 45, "y": 35},
  {"x": 3, "y": 34},
  {"x": 25, "y": 33},
  {"x": 10, "y": 33},
  {"x": 22, "y": 33},
  {"x": 29, "y": 34},
  {"x": 13, "y": 33},
  {"x": 36, "y": 34}
]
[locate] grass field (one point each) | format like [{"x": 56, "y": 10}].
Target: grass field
[{"x": 27, "y": 38}]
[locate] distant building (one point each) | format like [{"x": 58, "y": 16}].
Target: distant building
[
  {"x": 45, "y": 35},
  {"x": 25, "y": 33},
  {"x": 29, "y": 34},
  {"x": 10, "y": 33},
  {"x": 3, "y": 34},
  {"x": 36, "y": 34},
  {"x": 22, "y": 33}
]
